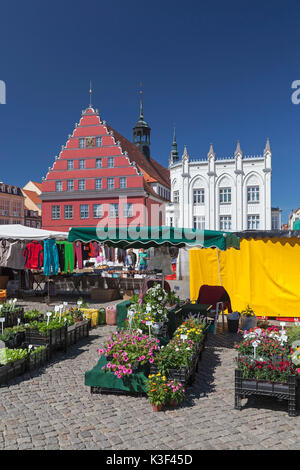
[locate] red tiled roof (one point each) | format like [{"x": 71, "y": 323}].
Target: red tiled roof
[
  {"x": 153, "y": 171},
  {"x": 32, "y": 196},
  {"x": 39, "y": 185}
]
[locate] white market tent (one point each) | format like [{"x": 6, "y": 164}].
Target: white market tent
[{"x": 22, "y": 232}]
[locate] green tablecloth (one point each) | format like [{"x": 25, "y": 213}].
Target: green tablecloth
[
  {"x": 122, "y": 313},
  {"x": 98, "y": 378}
]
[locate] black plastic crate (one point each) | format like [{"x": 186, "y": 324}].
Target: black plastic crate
[
  {"x": 56, "y": 339},
  {"x": 38, "y": 359},
  {"x": 12, "y": 370},
  {"x": 11, "y": 318},
  {"x": 115, "y": 391},
  {"x": 253, "y": 388}
]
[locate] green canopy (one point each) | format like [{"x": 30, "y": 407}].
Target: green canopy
[{"x": 146, "y": 237}]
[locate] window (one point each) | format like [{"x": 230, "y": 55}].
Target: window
[
  {"x": 81, "y": 164},
  {"x": 123, "y": 182},
  {"x": 175, "y": 196},
  {"x": 110, "y": 162},
  {"x": 198, "y": 195},
  {"x": 98, "y": 162},
  {"x": 81, "y": 185},
  {"x": 68, "y": 211},
  {"x": 98, "y": 141},
  {"x": 110, "y": 183},
  {"x": 97, "y": 211},
  {"x": 127, "y": 210},
  {"x": 55, "y": 212},
  {"x": 4, "y": 207},
  {"x": 16, "y": 209},
  {"x": 82, "y": 143},
  {"x": 84, "y": 211},
  {"x": 70, "y": 185},
  {"x": 199, "y": 222},
  {"x": 59, "y": 186},
  {"x": 225, "y": 195},
  {"x": 253, "y": 222},
  {"x": 114, "y": 210},
  {"x": 70, "y": 164},
  {"x": 225, "y": 222},
  {"x": 253, "y": 193},
  {"x": 98, "y": 183}
]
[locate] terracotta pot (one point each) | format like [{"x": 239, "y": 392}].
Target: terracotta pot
[
  {"x": 173, "y": 403},
  {"x": 157, "y": 407}
]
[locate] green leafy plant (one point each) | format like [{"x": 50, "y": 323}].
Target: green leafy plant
[
  {"x": 248, "y": 312},
  {"x": 11, "y": 355},
  {"x": 32, "y": 315},
  {"x": 157, "y": 390}
]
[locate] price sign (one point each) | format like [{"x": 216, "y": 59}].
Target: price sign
[
  {"x": 184, "y": 337},
  {"x": 148, "y": 323},
  {"x": 1, "y": 307},
  {"x": 297, "y": 323},
  {"x": 130, "y": 315},
  {"x": 255, "y": 344},
  {"x": 2, "y": 319},
  {"x": 79, "y": 302},
  {"x": 56, "y": 308},
  {"x": 30, "y": 347},
  {"x": 49, "y": 314},
  {"x": 19, "y": 321},
  {"x": 282, "y": 324},
  {"x": 140, "y": 331}
]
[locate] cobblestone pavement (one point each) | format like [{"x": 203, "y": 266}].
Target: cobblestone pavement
[{"x": 53, "y": 409}]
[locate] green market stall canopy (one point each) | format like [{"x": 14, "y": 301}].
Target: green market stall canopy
[{"x": 146, "y": 237}]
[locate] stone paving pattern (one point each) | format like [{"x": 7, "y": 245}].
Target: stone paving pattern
[{"x": 53, "y": 409}]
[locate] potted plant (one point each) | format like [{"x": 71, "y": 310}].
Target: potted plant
[
  {"x": 176, "y": 392},
  {"x": 248, "y": 319},
  {"x": 157, "y": 391}
]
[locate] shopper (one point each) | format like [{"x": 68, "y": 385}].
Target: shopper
[{"x": 143, "y": 257}]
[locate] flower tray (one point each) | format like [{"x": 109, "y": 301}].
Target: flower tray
[
  {"x": 254, "y": 388},
  {"x": 56, "y": 338},
  {"x": 114, "y": 391},
  {"x": 12, "y": 370},
  {"x": 11, "y": 318}
]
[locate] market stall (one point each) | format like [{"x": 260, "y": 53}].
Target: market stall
[{"x": 264, "y": 273}]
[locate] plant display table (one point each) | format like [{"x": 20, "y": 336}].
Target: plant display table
[
  {"x": 246, "y": 388},
  {"x": 101, "y": 381}
]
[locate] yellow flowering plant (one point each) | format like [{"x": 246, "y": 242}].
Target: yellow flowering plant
[{"x": 157, "y": 390}]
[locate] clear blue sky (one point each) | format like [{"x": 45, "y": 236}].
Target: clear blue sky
[{"x": 221, "y": 71}]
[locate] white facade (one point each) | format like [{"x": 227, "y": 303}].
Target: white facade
[{"x": 231, "y": 194}]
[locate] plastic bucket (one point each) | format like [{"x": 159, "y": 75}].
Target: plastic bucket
[{"x": 233, "y": 325}]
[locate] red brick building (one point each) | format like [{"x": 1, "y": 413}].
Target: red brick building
[{"x": 99, "y": 176}]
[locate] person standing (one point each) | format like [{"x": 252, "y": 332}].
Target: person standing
[{"x": 143, "y": 257}]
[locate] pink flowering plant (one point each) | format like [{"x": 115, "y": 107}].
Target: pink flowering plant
[
  {"x": 270, "y": 371},
  {"x": 125, "y": 351}
]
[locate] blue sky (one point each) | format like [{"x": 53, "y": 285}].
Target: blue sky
[{"x": 220, "y": 71}]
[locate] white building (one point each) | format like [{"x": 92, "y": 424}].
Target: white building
[{"x": 230, "y": 194}]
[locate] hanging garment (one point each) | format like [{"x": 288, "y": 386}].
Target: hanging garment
[
  {"x": 34, "y": 255},
  {"x": 85, "y": 251},
  {"x": 61, "y": 256},
  {"x": 15, "y": 256},
  {"x": 50, "y": 257},
  {"x": 4, "y": 249},
  {"x": 68, "y": 255},
  {"x": 78, "y": 254}
]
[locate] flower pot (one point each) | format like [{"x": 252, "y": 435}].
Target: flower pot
[
  {"x": 233, "y": 325},
  {"x": 173, "y": 403},
  {"x": 157, "y": 407},
  {"x": 248, "y": 322}
]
